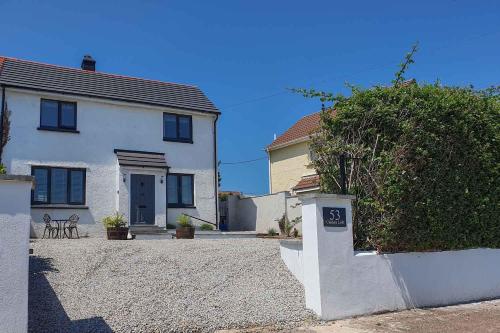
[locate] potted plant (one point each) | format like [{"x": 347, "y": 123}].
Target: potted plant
[
  {"x": 185, "y": 229},
  {"x": 116, "y": 226}
]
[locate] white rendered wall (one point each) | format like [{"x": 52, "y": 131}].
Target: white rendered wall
[
  {"x": 340, "y": 282},
  {"x": 259, "y": 213},
  {"x": 14, "y": 260},
  {"x": 105, "y": 126},
  {"x": 292, "y": 255}
]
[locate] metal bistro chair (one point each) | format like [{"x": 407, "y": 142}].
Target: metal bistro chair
[
  {"x": 70, "y": 225},
  {"x": 49, "y": 227}
]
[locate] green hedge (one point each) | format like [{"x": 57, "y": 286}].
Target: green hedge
[{"x": 425, "y": 164}]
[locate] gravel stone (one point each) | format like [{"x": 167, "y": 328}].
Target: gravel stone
[{"x": 96, "y": 285}]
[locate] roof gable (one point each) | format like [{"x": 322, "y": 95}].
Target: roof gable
[
  {"x": 302, "y": 129},
  {"x": 52, "y": 78}
]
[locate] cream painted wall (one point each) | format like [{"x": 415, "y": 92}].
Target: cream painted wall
[{"x": 288, "y": 165}]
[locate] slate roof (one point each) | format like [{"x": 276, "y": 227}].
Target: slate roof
[
  {"x": 141, "y": 159},
  {"x": 301, "y": 129},
  {"x": 51, "y": 78}
]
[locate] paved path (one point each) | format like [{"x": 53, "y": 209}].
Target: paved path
[{"x": 481, "y": 317}]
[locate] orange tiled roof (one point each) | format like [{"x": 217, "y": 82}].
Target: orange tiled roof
[
  {"x": 301, "y": 129},
  {"x": 307, "y": 182}
]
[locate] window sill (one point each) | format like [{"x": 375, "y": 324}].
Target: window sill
[
  {"x": 59, "y": 206},
  {"x": 180, "y": 206},
  {"x": 53, "y": 129},
  {"x": 177, "y": 140}
]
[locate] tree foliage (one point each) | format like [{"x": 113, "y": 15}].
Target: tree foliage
[
  {"x": 5, "y": 134},
  {"x": 423, "y": 160}
]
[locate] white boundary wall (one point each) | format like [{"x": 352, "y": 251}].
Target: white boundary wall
[
  {"x": 14, "y": 247},
  {"x": 259, "y": 213},
  {"x": 340, "y": 282},
  {"x": 292, "y": 256}
]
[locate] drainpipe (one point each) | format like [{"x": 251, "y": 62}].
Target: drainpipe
[
  {"x": 166, "y": 196},
  {"x": 1, "y": 120},
  {"x": 216, "y": 174}
]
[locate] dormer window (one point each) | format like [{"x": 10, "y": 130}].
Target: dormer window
[{"x": 57, "y": 115}]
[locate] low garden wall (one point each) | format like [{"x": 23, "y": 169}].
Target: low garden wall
[
  {"x": 14, "y": 247},
  {"x": 292, "y": 256},
  {"x": 340, "y": 282}
]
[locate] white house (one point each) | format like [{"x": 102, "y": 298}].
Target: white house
[{"x": 98, "y": 143}]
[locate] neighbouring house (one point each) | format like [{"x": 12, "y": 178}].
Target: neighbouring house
[
  {"x": 290, "y": 173},
  {"x": 99, "y": 143},
  {"x": 290, "y": 158}
]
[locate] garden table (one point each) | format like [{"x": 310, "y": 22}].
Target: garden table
[{"x": 60, "y": 224}]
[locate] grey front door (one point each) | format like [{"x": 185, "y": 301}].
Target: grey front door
[{"x": 142, "y": 199}]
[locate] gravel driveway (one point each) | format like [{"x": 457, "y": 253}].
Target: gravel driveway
[{"x": 95, "y": 285}]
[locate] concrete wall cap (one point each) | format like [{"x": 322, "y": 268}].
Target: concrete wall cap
[
  {"x": 290, "y": 241},
  {"x": 316, "y": 195}
]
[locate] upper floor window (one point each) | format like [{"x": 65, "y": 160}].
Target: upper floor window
[
  {"x": 54, "y": 185},
  {"x": 57, "y": 115},
  {"x": 177, "y": 128}
]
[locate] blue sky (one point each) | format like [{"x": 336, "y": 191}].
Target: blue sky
[{"x": 245, "y": 54}]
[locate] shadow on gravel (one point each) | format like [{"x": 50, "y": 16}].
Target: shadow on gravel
[{"x": 46, "y": 313}]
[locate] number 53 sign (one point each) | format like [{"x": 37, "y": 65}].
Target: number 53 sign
[{"x": 334, "y": 217}]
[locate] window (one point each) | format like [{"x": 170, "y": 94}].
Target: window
[
  {"x": 55, "y": 185},
  {"x": 177, "y": 128},
  {"x": 180, "y": 190},
  {"x": 57, "y": 115}
]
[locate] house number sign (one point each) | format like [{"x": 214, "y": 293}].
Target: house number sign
[{"x": 334, "y": 217}]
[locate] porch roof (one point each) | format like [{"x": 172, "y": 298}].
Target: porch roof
[{"x": 143, "y": 159}]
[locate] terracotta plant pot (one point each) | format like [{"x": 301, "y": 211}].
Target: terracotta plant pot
[
  {"x": 184, "y": 232},
  {"x": 117, "y": 233}
]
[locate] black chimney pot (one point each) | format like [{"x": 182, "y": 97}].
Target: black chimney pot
[{"x": 88, "y": 63}]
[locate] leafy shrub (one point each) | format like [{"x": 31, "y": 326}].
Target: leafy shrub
[
  {"x": 286, "y": 226},
  {"x": 272, "y": 232},
  {"x": 423, "y": 161},
  {"x": 3, "y": 170},
  {"x": 115, "y": 221},
  {"x": 290, "y": 227},
  {"x": 282, "y": 222},
  {"x": 223, "y": 196},
  {"x": 184, "y": 221},
  {"x": 206, "y": 227},
  {"x": 170, "y": 226}
]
